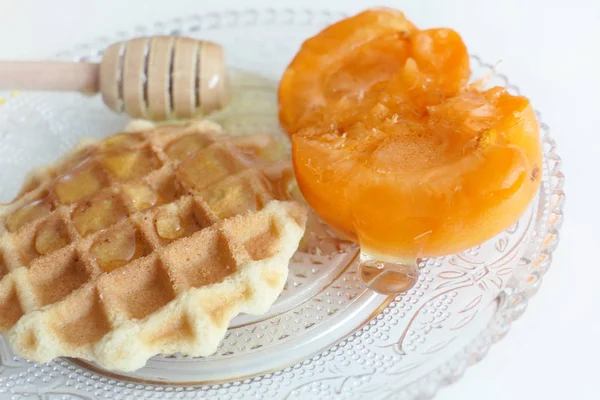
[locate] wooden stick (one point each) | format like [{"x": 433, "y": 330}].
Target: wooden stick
[{"x": 49, "y": 75}]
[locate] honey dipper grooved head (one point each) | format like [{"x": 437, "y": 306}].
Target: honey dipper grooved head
[{"x": 163, "y": 76}]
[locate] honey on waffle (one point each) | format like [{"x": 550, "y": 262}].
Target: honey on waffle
[{"x": 146, "y": 242}]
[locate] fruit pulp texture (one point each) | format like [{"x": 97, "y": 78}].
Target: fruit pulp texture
[{"x": 419, "y": 164}]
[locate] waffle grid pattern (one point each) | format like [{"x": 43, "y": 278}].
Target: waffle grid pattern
[{"x": 165, "y": 295}]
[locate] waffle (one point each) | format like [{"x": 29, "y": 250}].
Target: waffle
[{"x": 146, "y": 242}]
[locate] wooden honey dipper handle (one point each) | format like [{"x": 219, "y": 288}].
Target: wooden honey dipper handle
[
  {"x": 156, "y": 77},
  {"x": 49, "y": 75}
]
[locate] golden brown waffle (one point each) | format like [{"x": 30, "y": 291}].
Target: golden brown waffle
[{"x": 146, "y": 242}]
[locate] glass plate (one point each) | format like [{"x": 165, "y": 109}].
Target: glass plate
[{"x": 326, "y": 337}]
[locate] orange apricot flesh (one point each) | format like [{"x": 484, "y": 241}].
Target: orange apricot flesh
[
  {"x": 403, "y": 190},
  {"x": 332, "y": 66},
  {"x": 415, "y": 163}
]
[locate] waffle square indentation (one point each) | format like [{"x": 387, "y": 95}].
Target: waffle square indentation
[{"x": 57, "y": 275}]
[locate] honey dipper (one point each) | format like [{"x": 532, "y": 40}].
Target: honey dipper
[{"x": 152, "y": 77}]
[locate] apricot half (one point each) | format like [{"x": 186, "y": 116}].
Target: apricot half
[
  {"x": 343, "y": 62},
  {"x": 419, "y": 163}
]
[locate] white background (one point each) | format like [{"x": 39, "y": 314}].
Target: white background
[{"x": 550, "y": 49}]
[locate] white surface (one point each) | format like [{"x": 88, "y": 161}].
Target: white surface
[{"x": 546, "y": 48}]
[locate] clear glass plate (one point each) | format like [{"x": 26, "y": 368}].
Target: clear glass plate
[{"x": 326, "y": 337}]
